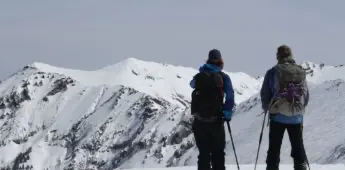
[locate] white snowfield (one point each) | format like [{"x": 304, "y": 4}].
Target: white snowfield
[
  {"x": 251, "y": 167},
  {"x": 150, "y": 77},
  {"x": 136, "y": 114}
]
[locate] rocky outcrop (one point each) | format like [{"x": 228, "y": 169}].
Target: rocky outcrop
[
  {"x": 338, "y": 153},
  {"x": 15, "y": 98},
  {"x": 142, "y": 114},
  {"x": 60, "y": 85},
  {"x": 21, "y": 159}
]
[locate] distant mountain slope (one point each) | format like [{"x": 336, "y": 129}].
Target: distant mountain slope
[
  {"x": 136, "y": 114},
  {"x": 56, "y": 118},
  {"x": 150, "y": 77},
  {"x": 318, "y": 73}
]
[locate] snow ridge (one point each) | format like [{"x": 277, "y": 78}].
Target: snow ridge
[
  {"x": 153, "y": 78},
  {"x": 318, "y": 73}
]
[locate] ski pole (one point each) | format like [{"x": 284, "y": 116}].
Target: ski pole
[
  {"x": 306, "y": 157},
  {"x": 260, "y": 139},
  {"x": 233, "y": 145},
  {"x": 308, "y": 164}
]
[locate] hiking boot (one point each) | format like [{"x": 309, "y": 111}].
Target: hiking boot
[
  {"x": 302, "y": 166},
  {"x": 269, "y": 167}
]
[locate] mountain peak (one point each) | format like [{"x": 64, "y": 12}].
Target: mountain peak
[
  {"x": 122, "y": 64},
  {"x": 54, "y": 69},
  {"x": 50, "y": 68},
  {"x": 122, "y": 71},
  {"x": 149, "y": 77}
]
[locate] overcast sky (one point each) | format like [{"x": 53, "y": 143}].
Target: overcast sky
[{"x": 89, "y": 35}]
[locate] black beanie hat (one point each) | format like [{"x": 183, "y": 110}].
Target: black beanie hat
[
  {"x": 214, "y": 55},
  {"x": 284, "y": 51}
]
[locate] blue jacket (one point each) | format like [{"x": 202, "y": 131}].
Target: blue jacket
[
  {"x": 228, "y": 89},
  {"x": 267, "y": 92}
]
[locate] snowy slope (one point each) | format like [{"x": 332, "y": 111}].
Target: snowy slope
[
  {"x": 246, "y": 125},
  {"x": 323, "y": 128},
  {"x": 250, "y": 167},
  {"x": 153, "y": 78},
  {"x": 62, "y": 118},
  {"x": 135, "y": 114},
  {"x": 318, "y": 73}
]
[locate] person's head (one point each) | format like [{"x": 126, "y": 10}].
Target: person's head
[
  {"x": 215, "y": 57},
  {"x": 283, "y": 51}
]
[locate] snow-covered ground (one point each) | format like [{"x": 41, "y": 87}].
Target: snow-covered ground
[
  {"x": 135, "y": 114},
  {"x": 251, "y": 167}
]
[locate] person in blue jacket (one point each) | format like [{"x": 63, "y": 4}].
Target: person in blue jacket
[
  {"x": 279, "y": 122},
  {"x": 210, "y": 134}
]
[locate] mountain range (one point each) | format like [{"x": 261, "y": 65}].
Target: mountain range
[{"x": 136, "y": 114}]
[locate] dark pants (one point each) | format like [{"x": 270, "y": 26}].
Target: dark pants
[
  {"x": 210, "y": 140},
  {"x": 275, "y": 141}
]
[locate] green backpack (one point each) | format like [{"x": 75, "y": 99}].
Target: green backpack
[{"x": 290, "y": 89}]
